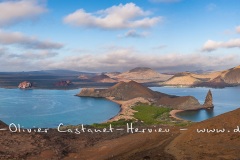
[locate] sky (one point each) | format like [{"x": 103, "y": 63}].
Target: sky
[{"x": 118, "y": 35}]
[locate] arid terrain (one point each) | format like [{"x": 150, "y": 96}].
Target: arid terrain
[
  {"x": 175, "y": 144},
  {"x": 220, "y": 140},
  {"x": 230, "y": 77},
  {"x": 54, "y": 79},
  {"x": 125, "y": 91},
  {"x": 193, "y": 145},
  {"x": 140, "y": 75}
]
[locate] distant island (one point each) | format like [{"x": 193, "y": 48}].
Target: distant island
[{"x": 65, "y": 79}]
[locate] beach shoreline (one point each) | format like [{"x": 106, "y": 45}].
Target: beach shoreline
[
  {"x": 174, "y": 112},
  {"x": 126, "y": 112}
]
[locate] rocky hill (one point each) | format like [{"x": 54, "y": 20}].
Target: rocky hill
[
  {"x": 103, "y": 78},
  {"x": 141, "y": 75},
  {"x": 122, "y": 91},
  {"x": 183, "y": 79},
  {"x": 180, "y": 103},
  {"x": 210, "y": 145},
  {"x": 130, "y": 90},
  {"x": 230, "y": 77}
]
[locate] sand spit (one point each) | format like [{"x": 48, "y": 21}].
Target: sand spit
[{"x": 126, "y": 112}]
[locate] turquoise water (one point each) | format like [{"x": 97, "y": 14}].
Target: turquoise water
[
  {"x": 224, "y": 100},
  {"x": 48, "y": 108}
]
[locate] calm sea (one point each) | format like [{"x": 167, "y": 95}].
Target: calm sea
[
  {"x": 224, "y": 100},
  {"x": 48, "y": 108}
]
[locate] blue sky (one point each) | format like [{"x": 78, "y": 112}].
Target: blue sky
[{"x": 117, "y": 35}]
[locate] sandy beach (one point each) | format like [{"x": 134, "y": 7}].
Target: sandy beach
[
  {"x": 126, "y": 111},
  {"x": 173, "y": 114}
]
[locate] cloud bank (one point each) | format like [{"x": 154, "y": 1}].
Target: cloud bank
[
  {"x": 13, "y": 11},
  {"x": 116, "y": 59},
  {"x": 122, "y": 59},
  {"x": 211, "y": 45},
  {"x": 115, "y": 17},
  {"x": 19, "y": 39}
]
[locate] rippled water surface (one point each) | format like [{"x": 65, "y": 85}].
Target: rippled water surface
[{"x": 48, "y": 108}]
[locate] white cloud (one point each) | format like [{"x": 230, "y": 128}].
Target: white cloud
[
  {"x": 238, "y": 29},
  {"x": 134, "y": 34},
  {"x": 164, "y": 1},
  {"x": 211, "y": 45},
  {"x": 17, "y": 38},
  {"x": 115, "y": 17},
  {"x": 14, "y": 11}
]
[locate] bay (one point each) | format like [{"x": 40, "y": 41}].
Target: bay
[{"x": 48, "y": 108}]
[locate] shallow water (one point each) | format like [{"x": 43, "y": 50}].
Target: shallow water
[
  {"x": 224, "y": 100},
  {"x": 48, "y": 108}
]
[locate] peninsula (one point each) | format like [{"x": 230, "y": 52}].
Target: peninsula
[{"x": 127, "y": 94}]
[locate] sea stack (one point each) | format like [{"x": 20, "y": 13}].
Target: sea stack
[
  {"x": 208, "y": 101},
  {"x": 24, "y": 85}
]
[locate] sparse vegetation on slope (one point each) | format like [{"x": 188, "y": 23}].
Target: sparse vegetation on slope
[
  {"x": 150, "y": 115},
  {"x": 146, "y": 115}
]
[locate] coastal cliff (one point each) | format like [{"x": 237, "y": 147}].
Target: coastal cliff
[{"x": 124, "y": 91}]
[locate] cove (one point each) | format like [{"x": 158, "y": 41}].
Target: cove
[{"x": 224, "y": 100}]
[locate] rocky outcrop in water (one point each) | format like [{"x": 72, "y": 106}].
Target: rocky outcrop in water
[
  {"x": 24, "y": 85},
  {"x": 208, "y": 100}
]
